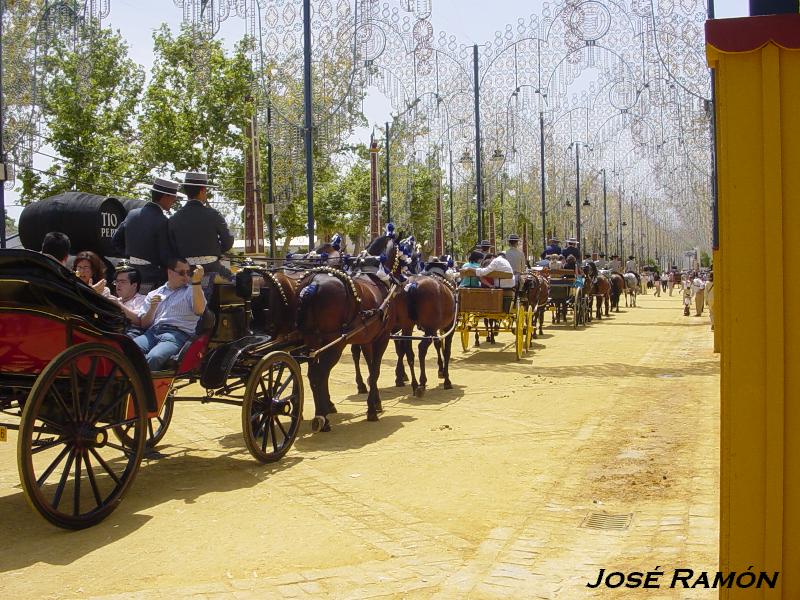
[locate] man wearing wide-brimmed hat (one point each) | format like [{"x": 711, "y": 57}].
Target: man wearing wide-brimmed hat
[
  {"x": 197, "y": 231},
  {"x": 515, "y": 256},
  {"x": 553, "y": 247},
  {"x": 143, "y": 237},
  {"x": 572, "y": 250}
]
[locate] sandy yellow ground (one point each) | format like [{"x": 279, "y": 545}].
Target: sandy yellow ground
[{"x": 481, "y": 491}]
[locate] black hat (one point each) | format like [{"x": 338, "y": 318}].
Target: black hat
[
  {"x": 513, "y": 237},
  {"x": 483, "y": 243},
  {"x": 165, "y": 186},
  {"x": 197, "y": 179}
]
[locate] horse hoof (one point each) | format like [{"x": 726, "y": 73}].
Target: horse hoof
[
  {"x": 331, "y": 408},
  {"x": 372, "y": 415},
  {"x": 448, "y": 385},
  {"x": 441, "y": 373},
  {"x": 320, "y": 424},
  {"x": 362, "y": 389},
  {"x": 420, "y": 391}
]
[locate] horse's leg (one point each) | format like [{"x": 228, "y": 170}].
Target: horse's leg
[
  {"x": 400, "y": 376},
  {"x": 319, "y": 372},
  {"x": 423, "y": 378},
  {"x": 608, "y": 302},
  {"x": 448, "y": 346},
  {"x": 409, "y": 349},
  {"x": 375, "y": 352},
  {"x": 355, "y": 349},
  {"x": 437, "y": 343}
]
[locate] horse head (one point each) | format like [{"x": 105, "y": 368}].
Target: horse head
[{"x": 386, "y": 247}]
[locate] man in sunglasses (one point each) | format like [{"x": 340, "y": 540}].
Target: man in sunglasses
[{"x": 171, "y": 312}]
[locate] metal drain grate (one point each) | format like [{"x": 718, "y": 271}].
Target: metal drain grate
[{"x": 598, "y": 520}]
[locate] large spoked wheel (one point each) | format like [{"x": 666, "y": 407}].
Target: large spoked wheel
[
  {"x": 464, "y": 329},
  {"x": 577, "y": 310},
  {"x": 73, "y": 471},
  {"x": 156, "y": 426},
  {"x": 273, "y": 406},
  {"x": 519, "y": 331}
]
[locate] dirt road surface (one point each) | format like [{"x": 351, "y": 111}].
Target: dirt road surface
[{"x": 499, "y": 488}]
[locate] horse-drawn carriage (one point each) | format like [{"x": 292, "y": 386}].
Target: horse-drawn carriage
[
  {"x": 86, "y": 405},
  {"x": 488, "y": 311},
  {"x": 567, "y": 298}
]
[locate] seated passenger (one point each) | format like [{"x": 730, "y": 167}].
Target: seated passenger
[
  {"x": 90, "y": 269},
  {"x": 127, "y": 282},
  {"x": 475, "y": 258},
  {"x": 498, "y": 264},
  {"x": 171, "y": 313}
]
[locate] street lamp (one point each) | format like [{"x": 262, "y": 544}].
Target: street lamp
[{"x": 466, "y": 159}]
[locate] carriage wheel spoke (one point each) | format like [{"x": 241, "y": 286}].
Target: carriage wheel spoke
[
  {"x": 279, "y": 376},
  {"x": 44, "y": 476},
  {"x": 150, "y": 428},
  {"x": 62, "y": 404},
  {"x": 76, "y": 491},
  {"x": 63, "y": 481},
  {"x": 91, "y": 382},
  {"x": 105, "y": 466},
  {"x": 274, "y": 437},
  {"x": 122, "y": 396},
  {"x": 92, "y": 481},
  {"x": 280, "y": 390},
  {"x": 101, "y": 392},
  {"x": 126, "y": 451},
  {"x": 271, "y": 385},
  {"x": 127, "y": 424},
  {"x": 75, "y": 390},
  {"x": 47, "y": 445},
  {"x": 266, "y": 435},
  {"x": 280, "y": 425}
]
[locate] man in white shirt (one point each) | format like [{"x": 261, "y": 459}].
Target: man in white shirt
[
  {"x": 127, "y": 281},
  {"x": 499, "y": 264},
  {"x": 698, "y": 293}
]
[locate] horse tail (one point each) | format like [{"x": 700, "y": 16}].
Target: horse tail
[
  {"x": 411, "y": 300},
  {"x": 304, "y": 304}
]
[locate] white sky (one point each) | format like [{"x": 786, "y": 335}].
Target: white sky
[{"x": 469, "y": 20}]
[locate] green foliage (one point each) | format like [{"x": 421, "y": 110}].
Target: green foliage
[
  {"x": 705, "y": 259},
  {"x": 194, "y": 113},
  {"x": 89, "y": 98}
]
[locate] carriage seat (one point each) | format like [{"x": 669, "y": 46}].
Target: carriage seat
[{"x": 204, "y": 328}]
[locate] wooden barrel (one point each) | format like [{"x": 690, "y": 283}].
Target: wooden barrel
[{"x": 89, "y": 220}]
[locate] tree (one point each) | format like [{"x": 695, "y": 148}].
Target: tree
[
  {"x": 89, "y": 97},
  {"x": 193, "y": 115}
]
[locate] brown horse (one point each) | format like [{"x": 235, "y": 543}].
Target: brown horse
[
  {"x": 538, "y": 295},
  {"x": 429, "y": 303},
  {"x": 597, "y": 286},
  {"x": 336, "y": 309},
  {"x": 275, "y": 307},
  {"x": 617, "y": 289}
]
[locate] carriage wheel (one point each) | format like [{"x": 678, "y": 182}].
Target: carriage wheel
[
  {"x": 519, "y": 330},
  {"x": 72, "y": 472},
  {"x": 273, "y": 406},
  {"x": 577, "y": 310},
  {"x": 529, "y": 328},
  {"x": 156, "y": 426},
  {"x": 464, "y": 329}
]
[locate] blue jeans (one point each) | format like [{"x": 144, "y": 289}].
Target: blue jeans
[{"x": 159, "y": 344}]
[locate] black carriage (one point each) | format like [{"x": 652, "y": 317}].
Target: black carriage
[
  {"x": 567, "y": 298},
  {"x": 86, "y": 405}
]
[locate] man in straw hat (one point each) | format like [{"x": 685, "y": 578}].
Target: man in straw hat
[
  {"x": 143, "y": 237},
  {"x": 515, "y": 256},
  {"x": 198, "y": 231}
]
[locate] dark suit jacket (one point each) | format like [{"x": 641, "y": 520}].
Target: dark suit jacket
[
  {"x": 199, "y": 230},
  {"x": 143, "y": 234},
  {"x": 571, "y": 250}
]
